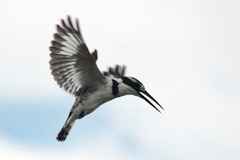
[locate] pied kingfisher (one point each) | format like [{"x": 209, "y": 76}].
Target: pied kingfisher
[{"x": 74, "y": 68}]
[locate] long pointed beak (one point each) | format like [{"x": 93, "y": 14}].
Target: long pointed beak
[{"x": 149, "y": 96}]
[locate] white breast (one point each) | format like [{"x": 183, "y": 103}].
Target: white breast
[{"x": 97, "y": 98}]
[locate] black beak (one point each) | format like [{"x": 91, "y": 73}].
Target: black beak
[{"x": 149, "y": 96}]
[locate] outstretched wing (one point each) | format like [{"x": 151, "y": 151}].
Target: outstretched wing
[
  {"x": 117, "y": 71},
  {"x": 72, "y": 65}
]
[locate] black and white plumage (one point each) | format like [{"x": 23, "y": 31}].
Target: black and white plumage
[{"x": 74, "y": 68}]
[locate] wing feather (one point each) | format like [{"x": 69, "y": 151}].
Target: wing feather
[
  {"x": 72, "y": 65},
  {"x": 116, "y": 72}
]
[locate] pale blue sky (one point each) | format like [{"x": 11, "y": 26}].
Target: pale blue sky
[{"x": 186, "y": 53}]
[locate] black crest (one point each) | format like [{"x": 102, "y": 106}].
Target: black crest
[
  {"x": 118, "y": 71},
  {"x": 132, "y": 82}
]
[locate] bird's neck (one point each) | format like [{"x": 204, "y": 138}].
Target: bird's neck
[{"x": 120, "y": 89}]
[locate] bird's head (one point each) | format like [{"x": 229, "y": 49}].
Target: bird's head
[{"x": 137, "y": 88}]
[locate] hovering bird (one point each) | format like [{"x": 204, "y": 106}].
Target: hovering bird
[{"x": 74, "y": 68}]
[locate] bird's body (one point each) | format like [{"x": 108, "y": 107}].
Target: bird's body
[{"x": 74, "y": 68}]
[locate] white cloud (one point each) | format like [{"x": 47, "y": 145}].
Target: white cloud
[{"x": 104, "y": 148}]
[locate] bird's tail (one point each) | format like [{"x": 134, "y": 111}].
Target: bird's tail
[{"x": 62, "y": 135}]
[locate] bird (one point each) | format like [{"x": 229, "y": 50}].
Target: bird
[{"x": 75, "y": 70}]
